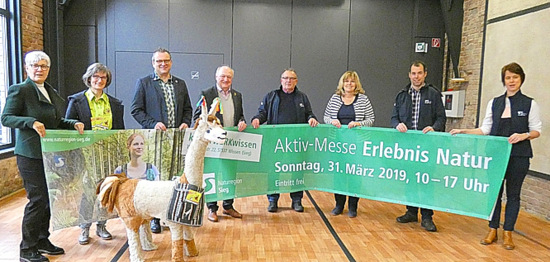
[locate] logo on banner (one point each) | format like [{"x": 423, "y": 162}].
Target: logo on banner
[
  {"x": 59, "y": 161},
  {"x": 209, "y": 183}
]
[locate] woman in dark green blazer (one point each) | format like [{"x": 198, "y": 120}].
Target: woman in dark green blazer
[{"x": 32, "y": 107}]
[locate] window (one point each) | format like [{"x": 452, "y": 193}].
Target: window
[{"x": 9, "y": 61}]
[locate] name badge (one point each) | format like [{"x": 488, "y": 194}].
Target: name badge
[
  {"x": 521, "y": 113},
  {"x": 428, "y": 102}
]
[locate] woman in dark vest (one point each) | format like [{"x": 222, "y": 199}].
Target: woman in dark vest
[{"x": 516, "y": 116}]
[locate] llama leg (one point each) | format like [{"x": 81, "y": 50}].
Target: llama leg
[
  {"x": 134, "y": 245},
  {"x": 188, "y": 236},
  {"x": 177, "y": 250},
  {"x": 177, "y": 241},
  {"x": 146, "y": 237}
]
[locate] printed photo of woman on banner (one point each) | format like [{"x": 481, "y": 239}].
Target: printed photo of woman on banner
[{"x": 77, "y": 162}]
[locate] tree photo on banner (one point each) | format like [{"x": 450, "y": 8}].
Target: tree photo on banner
[{"x": 74, "y": 164}]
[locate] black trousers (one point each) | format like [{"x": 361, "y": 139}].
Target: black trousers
[
  {"x": 36, "y": 219},
  {"x": 295, "y": 196},
  {"x": 227, "y": 204},
  {"x": 341, "y": 201},
  {"x": 515, "y": 174},
  {"x": 426, "y": 213}
]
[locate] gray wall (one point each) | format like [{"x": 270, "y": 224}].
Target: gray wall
[{"x": 259, "y": 38}]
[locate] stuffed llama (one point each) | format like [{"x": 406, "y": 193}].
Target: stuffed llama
[{"x": 137, "y": 201}]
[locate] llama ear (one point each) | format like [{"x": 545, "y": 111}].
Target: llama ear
[
  {"x": 215, "y": 106},
  {"x": 204, "y": 111}
]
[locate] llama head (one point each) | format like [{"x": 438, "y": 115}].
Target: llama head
[{"x": 214, "y": 131}]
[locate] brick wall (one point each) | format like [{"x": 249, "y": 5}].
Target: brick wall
[
  {"x": 470, "y": 62},
  {"x": 535, "y": 196},
  {"x": 10, "y": 181},
  {"x": 32, "y": 25},
  {"x": 33, "y": 39},
  {"x": 535, "y": 191}
]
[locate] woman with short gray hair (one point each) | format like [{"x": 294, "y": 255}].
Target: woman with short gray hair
[{"x": 32, "y": 107}]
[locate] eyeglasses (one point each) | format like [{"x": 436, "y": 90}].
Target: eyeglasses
[
  {"x": 165, "y": 61},
  {"x": 37, "y": 66},
  {"x": 288, "y": 78},
  {"x": 96, "y": 77}
]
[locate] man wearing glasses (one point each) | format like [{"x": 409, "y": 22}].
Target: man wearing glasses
[
  {"x": 161, "y": 101},
  {"x": 286, "y": 105}
]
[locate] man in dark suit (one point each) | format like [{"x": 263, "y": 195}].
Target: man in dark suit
[
  {"x": 161, "y": 101},
  {"x": 232, "y": 104}
]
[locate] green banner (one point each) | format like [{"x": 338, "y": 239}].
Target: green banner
[{"x": 460, "y": 174}]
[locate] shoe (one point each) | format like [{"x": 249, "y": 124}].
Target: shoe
[
  {"x": 272, "y": 207},
  {"x": 352, "y": 213},
  {"x": 508, "y": 243},
  {"x": 84, "y": 237},
  {"x": 232, "y": 212},
  {"x": 155, "y": 225},
  {"x": 46, "y": 247},
  {"x": 428, "y": 224},
  {"x": 102, "y": 232},
  {"x": 407, "y": 217},
  {"x": 297, "y": 206},
  {"x": 212, "y": 216},
  {"x": 31, "y": 256},
  {"x": 490, "y": 238},
  {"x": 337, "y": 211}
]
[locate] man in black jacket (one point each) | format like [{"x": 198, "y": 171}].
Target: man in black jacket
[
  {"x": 285, "y": 105},
  {"x": 418, "y": 107}
]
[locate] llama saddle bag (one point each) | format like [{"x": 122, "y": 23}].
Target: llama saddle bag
[{"x": 186, "y": 205}]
